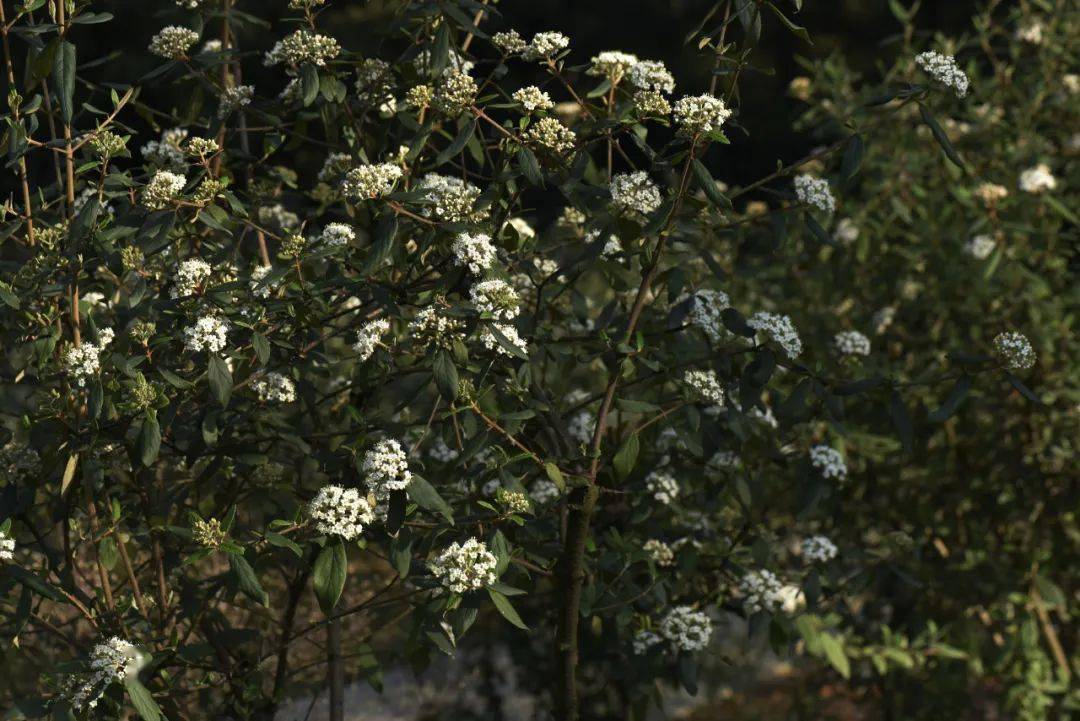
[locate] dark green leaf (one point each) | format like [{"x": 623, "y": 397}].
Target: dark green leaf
[
  {"x": 530, "y": 167},
  {"x": 626, "y": 456},
  {"x": 705, "y": 180},
  {"x": 428, "y": 498},
  {"x": 141, "y": 699},
  {"x": 455, "y": 147},
  {"x": 940, "y": 136},
  {"x": 446, "y": 375},
  {"x": 246, "y": 579},
  {"x": 64, "y": 73},
  {"x": 952, "y": 402},
  {"x": 328, "y": 574},
  {"x": 506, "y": 609},
  {"x": 149, "y": 439}
]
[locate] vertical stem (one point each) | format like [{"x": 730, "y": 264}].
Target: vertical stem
[
  {"x": 335, "y": 670},
  {"x": 135, "y": 590},
  {"x": 106, "y": 584},
  {"x": 24, "y": 181}
]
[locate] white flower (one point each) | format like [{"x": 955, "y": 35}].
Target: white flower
[
  {"x": 635, "y": 192},
  {"x": 211, "y": 46},
  {"x": 337, "y": 235},
  {"x": 1031, "y": 32},
  {"x": 474, "y": 252},
  {"x": 660, "y": 553},
  {"x": 522, "y": 228},
  {"x": 83, "y": 361},
  {"x": 303, "y": 46},
  {"x": 429, "y": 327},
  {"x": 533, "y": 98},
  {"x": 340, "y": 512},
  {"x": 662, "y": 486},
  {"x": 386, "y": 468},
  {"x": 883, "y": 318},
  {"x": 543, "y": 491},
  {"x": 509, "y": 42},
  {"x": 652, "y": 75},
  {"x": 367, "y": 338},
  {"x": 1014, "y": 349},
  {"x": 496, "y": 298},
  {"x": 706, "y": 385},
  {"x": 465, "y": 567},
  {"x": 278, "y": 216},
  {"x": 846, "y": 231},
  {"x": 851, "y": 342},
  {"x": 173, "y": 42},
  {"x": 686, "y": 629},
  {"x": 370, "y": 181},
  {"x": 166, "y": 152},
  {"x": 545, "y": 46},
  {"x": 1037, "y": 178},
  {"x": 189, "y": 277},
  {"x": 828, "y": 462},
  {"x": 705, "y": 312},
  {"x": 991, "y": 193},
  {"x": 510, "y": 333},
  {"x": 815, "y": 192},
  {"x": 643, "y": 641},
  {"x": 163, "y": 189},
  {"x": 255, "y": 283},
  {"x": 791, "y": 598},
  {"x": 7, "y": 547},
  {"x": 581, "y": 426},
  {"x": 441, "y": 452},
  {"x": 612, "y": 64},
  {"x": 455, "y": 93},
  {"x": 724, "y": 459},
  {"x": 780, "y": 329},
  {"x": 700, "y": 114},
  {"x": 275, "y": 388},
  {"x": 943, "y": 69},
  {"x": 980, "y": 247},
  {"x": 452, "y": 199},
  {"x": 234, "y": 99},
  {"x": 209, "y": 333},
  {"x": 761, "y": 591},
  {"x": 549, "y": 134},
  {"x": 334, "y": 167},
  {"x": 113, "y": 661},
  {"x": 818, "y": 549}
]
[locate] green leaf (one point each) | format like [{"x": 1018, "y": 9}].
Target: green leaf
[
  {"x": 446, "y": 375},
  {"x": 328, "y": 574},
  {"x": 501, "y": 548},
  {"x": 505, "y": 342},
  {"x": 1051, "y": 593},
  {"x": 940, "y": 136},
  {"x": 64, "y": 72},
  {"x": 626, "y": 456},
  {"x": 506, "y": 609},
  {"x": 708, "y": 184},
  {"x": 246, "y": 579},
  {"x": 428, "y": 498},
  {"x": 1022, "y": 388},
  {"x": 952, "y": 403},
  {"x": 276, "y": 539},
  {"x": 555, "y": 475},
  {"x": 141, "y": 699},
  {"x": 834, "y": 652},
  {"x": 309, "y": 83},
  {"x": 262, "y": 347},
  {"x": 149, "y": 439},
  {"x": 35, "y": 583},
  {"x": 853, "y": 156},
  {"x": 455, "y": 147},
  {"x": 530, "y": 167},
  {"x": 796, "y": 30},
  {"x": 220, "y": 378}
]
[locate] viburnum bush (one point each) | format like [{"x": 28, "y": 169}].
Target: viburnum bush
[{"x": 455, "y": 327}]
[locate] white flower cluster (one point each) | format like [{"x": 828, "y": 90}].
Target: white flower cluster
[
  {"x": 114, "y": 661},
  {"x": 386, "y": 468},
  {"x": 209, "y": 333},
  {"x": 1037, "y": 179},
  {"x": 686, "y": 629},
  {"x": 430, "y": 327},
  {"x": 761, "y": 591},
  {"x": 303, "y": 46},
  {"x": 465, "y": 567},
  {"x": 163, "y": 189},
  {"x": 442, "y": 452},
  {"x": 550, "y": 135},
  {"x": 780, "y": 329},
  {"x": 722, "y": 460},
  {"x": 635, "y": 192},
  {"x": 190, "y": 275},
  {"x": 83, "y": 361},
  {"x": 166, "y": 152},
  {"x": 510, "y": 333},
  {"x": 1014, "y": 349},
  {"x": 846, "y": 231},
  {"x": 474, "y": 252},
  {"x": 496, "y": 298},
  {"x": 581, "y": 426},
  {"x": 652, "y": 75},
  {"x": 545, "y": 46},
  {"x": 337, "y": 235},
  {"x": 706, "y": 385},
  {"x": 255, "y": 283},
  {"x": 660, "y": 553},
  {"x": 334, "y": 167},
  {"x": 235, "y": 98},
  {"x": 700, "y": 114},
  {"x": 455, "y": 92},
  {"x": 370, "y": 181},
  {"x": 612, "y": 64},
  {"x": 173, "y": 42},
  {"x": 544, "y": 491},
  {"x": 279, "y": 217},
  {"x": 275, "y": 388},
  {"x": 815, "y": 192},
  {"x": 7, "y": 547},
  {"x": 453, "y": 199},
  {"x": 706, "y": 305},
  {"x": 818, "y": 549},
  {"x": 828, "y": 462},
  {"x": 340, "y": 512},
  {"x": 662, "y": 486},
  {"x": 851, "y": 342},
  {"x": 509, "y": 42},
  {"x": 532, "y": 99},
  {"x": 643, "y": 641},
  {"x": 943, "y": 69},
  {"x": 367, "y": 338},
  {"x": 980, "y": 247}
]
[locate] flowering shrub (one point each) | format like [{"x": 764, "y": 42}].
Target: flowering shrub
[{"x": 313, "y": 356}]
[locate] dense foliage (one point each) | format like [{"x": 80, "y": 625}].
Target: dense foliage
[{"x": 308, "y": 380}]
